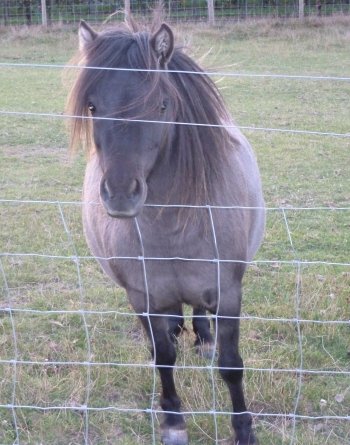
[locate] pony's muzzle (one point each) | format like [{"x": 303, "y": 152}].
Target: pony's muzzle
[{"x": 125, "y": 200}]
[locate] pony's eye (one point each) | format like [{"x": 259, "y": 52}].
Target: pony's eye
[
  {"x": 91, "y": 108},
  {"x": 164, "y": 106}
]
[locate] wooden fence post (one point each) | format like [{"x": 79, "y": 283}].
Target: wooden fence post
[
  {"x": 301, "y": 9},
  {"x": 127, "y": 8},
  {"x": 43, "y": 13},
  {"x": 211, "y": 15}
]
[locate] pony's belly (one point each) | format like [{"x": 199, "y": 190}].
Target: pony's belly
[
  {"x": 172, "y": 283},
  {"x": 168, "y": 279}
]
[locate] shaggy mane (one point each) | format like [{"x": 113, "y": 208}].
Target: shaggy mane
[{"x": 198, "y": 150}]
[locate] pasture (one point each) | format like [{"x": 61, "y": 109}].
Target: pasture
[{"x": 74, "y": 363}]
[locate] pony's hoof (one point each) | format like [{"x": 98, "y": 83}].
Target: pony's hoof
[
  {"x": 174, "y": 437},
  {"x": 206, "y": 350},
  {"x": 251, "y": 441}
]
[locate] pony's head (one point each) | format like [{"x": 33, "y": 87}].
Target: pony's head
[
  {"x": 152, "y": 117},
  {"x": 122, "y": 101}
]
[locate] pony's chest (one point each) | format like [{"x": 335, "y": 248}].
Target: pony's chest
[{"x": 175, "y": 264}]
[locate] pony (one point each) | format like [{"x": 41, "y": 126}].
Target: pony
[{"x": 172, "y": 199}]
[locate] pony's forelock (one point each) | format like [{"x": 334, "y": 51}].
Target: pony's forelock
[{"x": 110, "y": 50}]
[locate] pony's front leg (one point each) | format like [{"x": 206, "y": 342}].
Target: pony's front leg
[
  {"x": 231, "y": 370},
  {"x": 173, "y": 429}
]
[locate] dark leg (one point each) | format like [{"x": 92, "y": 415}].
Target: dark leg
[
  {"x": 228, "y": 337},
  {"x": 176, "y": 324},
  {"x": 204, "y": 342},
  {"x": 164, "y": 354}
]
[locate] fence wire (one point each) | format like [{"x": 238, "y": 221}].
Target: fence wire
[
  {"x": 71, "y": 335},
  {"x": 21, "y": 362}
]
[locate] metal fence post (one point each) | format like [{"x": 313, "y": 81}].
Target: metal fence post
[
  {"x": 301, "y": 9},
  {"x": 43, "y": 13}
]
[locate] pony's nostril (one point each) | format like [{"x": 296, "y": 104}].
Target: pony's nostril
[
  {"x": 106, "y": 191},
  {"x": 135, "y": 188}
]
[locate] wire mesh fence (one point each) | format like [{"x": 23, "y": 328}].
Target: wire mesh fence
[
  {"x": 74, "y": 364},
  {"x": 83, "y": 352},
  {"x": 75, "y": 356},
  {"x": 28, "y": 12}
]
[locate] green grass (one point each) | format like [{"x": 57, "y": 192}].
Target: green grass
[{"x": 297, "y": 170}]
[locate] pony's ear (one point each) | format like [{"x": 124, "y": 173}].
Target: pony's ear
[
  {"x": 86, "y": 35},
  {"x": 162, "y": 43}
]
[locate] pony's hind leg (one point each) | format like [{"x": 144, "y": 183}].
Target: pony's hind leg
[
  {"x": 173, "y": 429},
  {"x": 204, "y": 342},
  {"x": 231, "y": 370}
]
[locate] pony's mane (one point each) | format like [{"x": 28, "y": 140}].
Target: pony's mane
[{"x": 200, "y": 151}]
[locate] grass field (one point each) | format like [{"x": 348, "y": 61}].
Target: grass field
[{"x": 65, "y": 314}]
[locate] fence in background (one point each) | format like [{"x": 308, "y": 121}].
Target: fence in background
[{"x": 28, "y": 12}]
